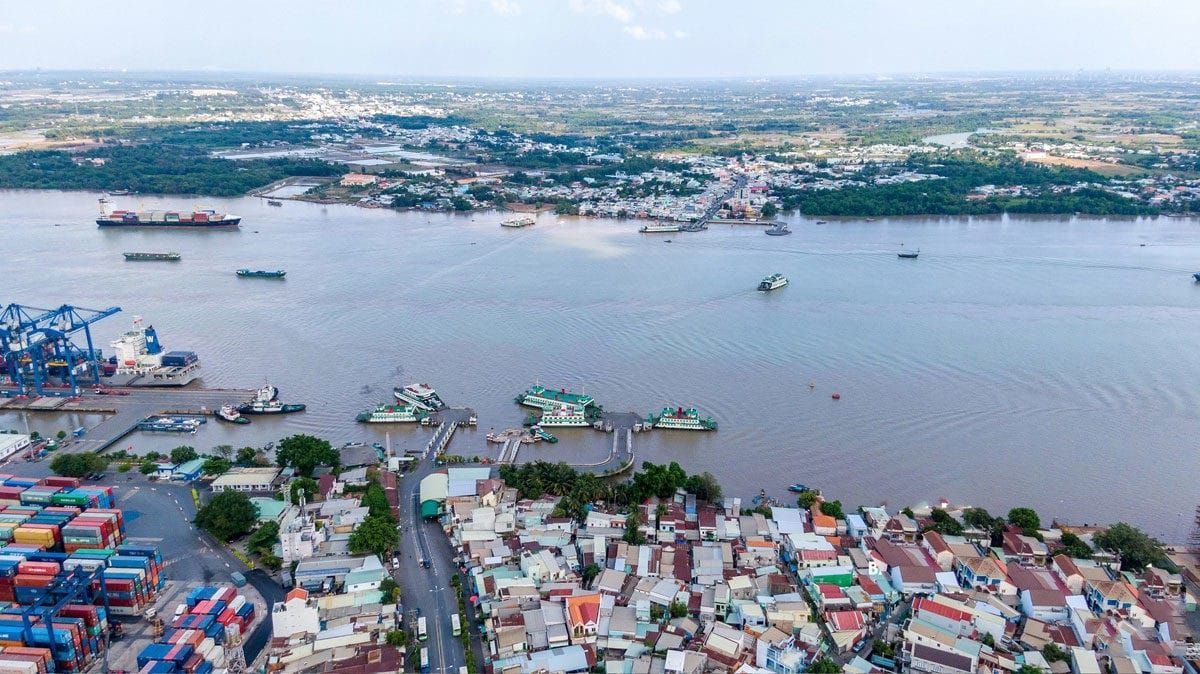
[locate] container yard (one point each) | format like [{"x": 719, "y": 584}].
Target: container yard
[{"x": 212, "y": 620}]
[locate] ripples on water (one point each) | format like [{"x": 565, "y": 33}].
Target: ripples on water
[{"x": 1018, "y": 361}]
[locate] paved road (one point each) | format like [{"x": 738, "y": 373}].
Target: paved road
[{"x": 427, "y": 590}]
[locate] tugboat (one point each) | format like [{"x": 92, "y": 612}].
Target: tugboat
[
  {"x": 392, "y": 414},
  {"x": 797, "y": 488},
  {"x": 266, "y": 401},
  {"x": 261, "y": 273},
  {"x": 230, "y": 413},
  {"x": 772, "y": 282},
  {"x": 779, "y": 229},
  {"x": 682, "y": 420},
  {"x": 908, "y": 254},
  {"x": 274, "y": 202}
]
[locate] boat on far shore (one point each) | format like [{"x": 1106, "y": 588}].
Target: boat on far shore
[
  {"x": 908, "y": 254},
  {"x": 274, "y": 202},
  {"x": 517, "y": 223},
  {"x": 153, "y": 257},
  {"x": 660, "y": 228}
]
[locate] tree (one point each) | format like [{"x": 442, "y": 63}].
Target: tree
[
  {"x": 832, "y": 509},
  {"x": 989, "y": 640},
  {"x": 806, "y": 499},
  {"x": 589, "y": 574},
  {"x": 147, "y": 467},
  {"x": 397, "y": 638},
  {"x": 61, "y": 435},
  {"x": 769, "y": 210},
  {"x": 633, "y": 534},
  {"x": 305, "y": 453},
  {"x": 390, "y": 590},
  {"x": 223, "y": 451},
  {"x": 215, "y": 465},
  {"x": 824, "y": 666},
  {"x": 245, "y": 456},
  {"x": 943, "y": 523},
  {"x": 376, "y": 535},
  {"x": 263, "y": 539},
  {"x": 78, "y": 465},
  {"x": 1026, "y": 519},
  {"x": 1053, "y": 653},
  {"x": 1074, "y": 546},
  {"x": 679, "y": 609},
  {"x": 183, "y": 454},
  {"x": 228, "y": 515},
  {"x": 305, "y": 485},
  {"x": 1030, "y": 669},
  {"x": 977, "y": 518},
  {"x": 376, "y": 500},
  {"x": 1135, "y": 548},
  {"x": 704, "y": 486}
]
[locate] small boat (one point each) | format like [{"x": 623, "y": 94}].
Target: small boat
[
  {"x": 908, "y": 254},
  {"x": 152, "y": 257},
  {"x": 1196, "y": 276},
  {"x": 660, "y": 228},
  {"x": 797, "y": 488},
  {"x": 822, "y": 222},
  {"x": 667, "y": 241},
  {"x": 274, "y": 202},
  {"x": 779, "y": 229},
  {"x": 772, "y": 282},
  {"x": 260, "y": 273},
  {"x": 230, "y": 413}
]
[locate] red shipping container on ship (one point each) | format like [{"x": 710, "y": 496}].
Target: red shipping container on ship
[
  {"x": 40, "y": 568},
  {"x": 61, "y": 481}
]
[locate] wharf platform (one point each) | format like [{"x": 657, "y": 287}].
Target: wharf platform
[{"x": 125, "y": 407}]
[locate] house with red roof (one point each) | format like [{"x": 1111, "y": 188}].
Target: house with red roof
[{"x": 583, "y": 617}]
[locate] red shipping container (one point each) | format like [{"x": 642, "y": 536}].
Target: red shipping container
[
  {"x": 27, "y": 580},
  {"x": 61, "y": 481},
  {"x": 42, "y": 568}
]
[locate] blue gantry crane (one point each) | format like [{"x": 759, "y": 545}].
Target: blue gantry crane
[
  {"x": 74, "y": 586},
  {"x": 37, "y": 347}
]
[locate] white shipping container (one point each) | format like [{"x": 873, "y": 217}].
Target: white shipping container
[
  {"x": 206, "y": 647},
  {"x": 237, "y": 602},
  {"x": 17, "y": 667}
]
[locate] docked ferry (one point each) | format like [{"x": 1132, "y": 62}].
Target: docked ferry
[
  {"x": 420, "y": 396},
  {"x": 772, "y": 282},
  {"x": 660, "y": 228},
  {"x": 110, "y": 217},
  {"x": 547, "y": 400},
  {"x": 391, "y": 414},
  {"x": 682, "y": 420},
  {"x": 153, "y": 257},
  {"x": 517, "y": 223},
  {"x": 563, "y": 415}
]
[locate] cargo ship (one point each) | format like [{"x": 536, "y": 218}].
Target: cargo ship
[
  {"x": 517, "y": 223},
  {"x": 421, "y": 396},
  {"x": 153, "y": 257},
  {"x": 681, "y": 420},
  {"x": 139, "y": 360},
  {"x": 266, "y": 401},
  {"x": 546, "y": 400},
  {"x": 110, "y": 217},
  {"x": 563, "y": 415},
  {"x": 260, "y": 273},
  {"x": 772, "y": 282},
  {"x": 779, "y": 229},
  {"x": 391, "y": 414}
]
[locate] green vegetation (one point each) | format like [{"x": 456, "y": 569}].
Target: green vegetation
[
  {"x": 832, "y": 509},
  {"x": 305, "y": 453},
  {"x": 227, "y": 516},
  {"x": 807, "y": 499},
  {"x": 961, "y": 173},
  {"x": 147, "y": 467},
  {"x": 1136, "y": 549},
  {"x": 824, "y": 666},
  {"x": 78, "y": 465},
  {"x": 246, "y": 456},
  {"x": 153, "y": 168},
  {"x": 215, "y": 465},
  {"x": 183, "y": 454},
  {"x": 305, "y": 485},
  {"x": 944, "y": 524},
  {"x": 1025, "y": 518},
  {"x": 262, "y": 543},
  {"x": 1074, "y": 546}
]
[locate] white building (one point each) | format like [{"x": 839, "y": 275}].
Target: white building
[
  {"x": 246, "y": 479},
  {"x": 295, "y": 615},
  {"x": 12, "y": 443}
]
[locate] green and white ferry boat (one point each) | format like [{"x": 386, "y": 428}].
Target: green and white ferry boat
[
  {"x": 681, "y": 420},
  {"x": 547, "y": 400},
  {"x": 392, "y": 414},
  {"x": 563, "y": 415}
]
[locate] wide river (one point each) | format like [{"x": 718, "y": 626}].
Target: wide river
[{"x": 1037, "y": 361}]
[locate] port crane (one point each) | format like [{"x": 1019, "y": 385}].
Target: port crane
[{"x": 37, "y": 346}]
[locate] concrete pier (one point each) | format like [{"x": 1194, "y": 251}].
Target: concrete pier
[{"x": 124, "y": 408}]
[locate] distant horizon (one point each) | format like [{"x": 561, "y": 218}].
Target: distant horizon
[{"x": 602, "y": 39}]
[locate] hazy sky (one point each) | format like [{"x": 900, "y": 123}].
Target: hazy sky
[{"x": 600, "y": 38}]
